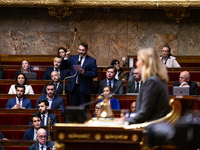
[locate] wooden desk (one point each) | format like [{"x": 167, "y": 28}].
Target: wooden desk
[{"x": 77, "y": 136}]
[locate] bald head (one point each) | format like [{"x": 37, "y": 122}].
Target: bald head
[
  {"x": 42, "y": 136},
  {"x": 55, "y": 76},
  {"x": 184, "y": 77}
]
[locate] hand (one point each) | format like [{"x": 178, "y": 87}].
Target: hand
[
  {"x": 67, "y": 54},
  {"x": 82, "y": 71},
  {"x": 17, "y": 106},
  {"x": 184, "y": 84}
]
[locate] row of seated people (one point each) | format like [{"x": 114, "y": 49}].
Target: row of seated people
[{"x": 117, "y": 85}]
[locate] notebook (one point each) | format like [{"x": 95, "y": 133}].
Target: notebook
[
  {"x": 181, "y": 90},
  {"x": 31, "y": 75}
]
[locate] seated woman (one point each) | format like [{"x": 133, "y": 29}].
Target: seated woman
[
  {"x": 121, "y": 75},
  {"x": 21, "y": 79},
  {"x": 26, "y": 68},
  {"x": 62, "y": 52},
  {"x": 107, "y": 90},
  {"x": 167, "y": 59}
]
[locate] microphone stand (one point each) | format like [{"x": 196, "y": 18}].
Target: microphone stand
[
  {"x": 50, "y": 129},
  {"x": 64, "y": 81}
]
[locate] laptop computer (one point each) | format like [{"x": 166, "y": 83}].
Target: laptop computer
[
  {"x": 181, "y": 90},
  {"x": 31, "y": 75}
]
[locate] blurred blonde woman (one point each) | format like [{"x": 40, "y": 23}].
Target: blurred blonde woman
[
  {"x": 26, "y": 68},
  {"x": 153, "y": 100}
]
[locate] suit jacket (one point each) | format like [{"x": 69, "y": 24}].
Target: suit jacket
[
  {"x": 28, "y": 89},
  {"x": 152, "y": 102},
  {"x": 171, "y": 62},
  {"x": 47, "y": 74},
  {"x": 130, "y": 87},
  {"x": 59, "y": 90},
  {"x": 35, "y": 146},
  {"x": 114, "y": 103},
  {"x": 118, "y": 87},
  {"x": 17, "y": 72},
  {"x": 29, "y": 134},
  {"x": 57, "y": 102},
  {"x": 1, "y": 135},
  {"x": 1, "y": 73},
  {"x": 50, "y": 115},
  {"x": 86, "y": 81},
  {"x": 193, "y": 88},
  {"x": 130, "y": 78},
  {"x": 25, "y": 103}
]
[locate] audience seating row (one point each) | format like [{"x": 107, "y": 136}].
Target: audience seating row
[
  {"x": 5, "y": 97},
  {"x": 22, "y": 116}
]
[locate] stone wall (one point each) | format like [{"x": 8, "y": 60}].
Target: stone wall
[{"x": 110, "y": 35}]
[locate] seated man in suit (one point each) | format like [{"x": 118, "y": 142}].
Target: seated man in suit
[
  {"x": 56, "y": 63},
  {"x": 55, "y": 77},
  {"x": 45, "y": 115},
  {"x": 117, "y": 86},
  {"x": 42, "y": 143},
  {"x": 31, "y": 134},
  {"x": 55, "y": 102},
  {"x": 19, "y": 102},
  {"x": 136, "y": 84},
  {"x": 184, "y": 80}
]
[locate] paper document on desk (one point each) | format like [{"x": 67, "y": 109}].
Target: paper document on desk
[{"x": 77, "y": 67}]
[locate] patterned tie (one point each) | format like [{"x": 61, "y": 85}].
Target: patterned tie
[
  {"x": 43, "y": 119},
  {"x": 35, "y": 136},
  {"x": 137, "y": 88}
]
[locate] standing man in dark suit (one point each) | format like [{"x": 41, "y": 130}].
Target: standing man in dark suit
[
  {"x": 184, "y": 80},
  {"x": 42, "y": 143},
  {"x": 81, "y": 86},
  {"x": 136, "y": 84},
  {"x": 55, "y": 102},
  {"x": 117, "y": 86},
  {"x": 56, "y": 63},
  {"x": 45, "y": 115},
  {"x": 31, "y": 134},
  {"x": 55, "y": 77},
  {"x": 19, "y": 102}
]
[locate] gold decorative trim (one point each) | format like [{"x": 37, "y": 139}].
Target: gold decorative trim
[
  {"x": 116, "y": 137},
  {"x": 140, "y": 4},
  {"x": 61, "y": 136},
  {"x": 98, "y": 136},
  {"x": 60, "y": 12},
  {"x": 134, "y": 138},
  {"x": 177, "y": 13},
  {"x": 59, "y": 146},
  {"x": 79, "y": 136}
]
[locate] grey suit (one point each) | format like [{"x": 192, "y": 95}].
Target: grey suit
[
  {"x": 35, "y": 146},
  {"x": 152, "y": 102},
  {"x": 130, "y": 87},
  {"x": 118, "y": 87}
]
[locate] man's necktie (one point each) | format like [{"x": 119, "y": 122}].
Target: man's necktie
[
  {"x": 79, "y": 63},
  {"x": 137, "y": 88},
  {"x": 35, "y": 136},
  {"x": 109, "y": 83},
  {"x": 42, "y": 147},
  {"x": 43, "y": 119}
]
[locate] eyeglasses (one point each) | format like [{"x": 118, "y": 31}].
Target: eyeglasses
[
  {"x": 41, "y": 137},
  {"x": 135, "y": 73},
  {"x": 96, "y": 108}
]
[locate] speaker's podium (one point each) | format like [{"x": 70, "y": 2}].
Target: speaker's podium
[{"x": 91, "y": 137}]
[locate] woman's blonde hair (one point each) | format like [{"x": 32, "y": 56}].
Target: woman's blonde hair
[{"x": 152, "y": 65}]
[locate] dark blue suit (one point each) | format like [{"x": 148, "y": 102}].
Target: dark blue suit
[
  {"x": 47, "y": 74},
  {"x": 1, "y": 135},
  {"x": 59, "y": 90},
  {"x": 114, "y": 103},
  {"x": 50, "y": 115},
  {"x": 25, "y": 103},
  {"x": 85, "y": 86},
  {"x": 29, "y": 134},
  {"x": 57, "y": 102},
  {"x": 17, "y": 72},
  {"x": 35, "y": 146}
]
